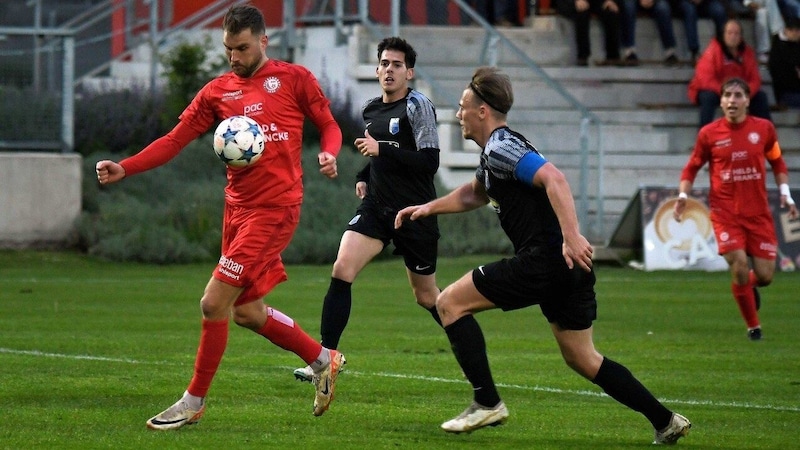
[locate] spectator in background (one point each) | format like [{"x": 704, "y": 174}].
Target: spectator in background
[
  {"x": 580, "y": 11},
  {"x": 726, "y": 57},
  {"x": 436, "y": 11},
  {"x": 768, "y": 21},
  {"x": 662, "y": 15},
  {"x": 507, "y": 13},
  {"x": 691, "y": 11},
  {"x": 789, "y": 8},
  {"x": 784, "y": 64},
  {"x": 503, "y": 13}
]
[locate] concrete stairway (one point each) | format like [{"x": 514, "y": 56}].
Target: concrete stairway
[{"x": 648, "y": 125}]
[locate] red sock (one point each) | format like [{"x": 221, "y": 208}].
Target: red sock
[
  {"x": 747, "y": 303},
  {"x": 284, "y": 332},
  {"x": 213, "y": 340}
]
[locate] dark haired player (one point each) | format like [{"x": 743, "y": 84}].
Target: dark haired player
[
  {"x": 736, "y": 148},
  {"x": 402, "y": 144},
  {"x": 262, "y": 204}
]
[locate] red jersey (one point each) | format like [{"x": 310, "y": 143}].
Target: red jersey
[
  {"x": 279, "y": 96},
  {"x": 736, "y": 156}
]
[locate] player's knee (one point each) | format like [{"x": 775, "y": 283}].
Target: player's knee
[
  {"x": 584, "y": 366},
  {"x": 343, "y": 271},
  {"x": 245, "y": 320},
  {"x": 442, "y": 298},
  {"x": 447, "y": 306},
  {"x": 426, "y": 297},
  {"x": 210, "y": 309}
]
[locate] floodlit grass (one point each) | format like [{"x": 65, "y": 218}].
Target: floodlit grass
[{"x": 89, "y": 350}]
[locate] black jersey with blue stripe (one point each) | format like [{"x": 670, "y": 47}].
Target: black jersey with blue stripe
[{"x": 524, "y": 211}]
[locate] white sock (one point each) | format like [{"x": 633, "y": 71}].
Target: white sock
[
  {"x": 322, "y": 361},
  {"x": 193, "y": 401}
]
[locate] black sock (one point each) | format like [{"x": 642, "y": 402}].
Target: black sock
[
  {"x": 335, "y": 312},
  {"x": 620, "y": 384},
  {"x": 469, "y": 347},
  {"x": 435, "y": 315}
]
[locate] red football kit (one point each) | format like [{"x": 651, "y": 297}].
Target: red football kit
[
  {"x": 262, "y": 201},
  {"x": 735, "y": 154}
]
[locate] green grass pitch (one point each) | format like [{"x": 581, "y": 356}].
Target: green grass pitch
[{"x": 89, "y": 350}]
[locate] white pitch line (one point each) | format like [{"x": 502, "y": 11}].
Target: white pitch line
[
  {"x": 585, "y": 393},
  {"x": 78, "y": 357},
  {"x": 82, "y": 280}
]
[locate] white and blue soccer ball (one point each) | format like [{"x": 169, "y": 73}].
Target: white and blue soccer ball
[{"x": 239, "y": 141}]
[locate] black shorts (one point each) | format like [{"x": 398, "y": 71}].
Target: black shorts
[
  {"x": 418, "y": 247},
  {"x": 566, "y": 296}
]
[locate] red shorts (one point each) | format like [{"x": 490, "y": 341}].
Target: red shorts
[
  {"x": 755, "y": 235},
  {"x": 252, "y": 242}
]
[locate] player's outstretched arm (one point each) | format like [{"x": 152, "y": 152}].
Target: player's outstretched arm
[
  {"x": 467, "y": 197},
  {"x": 109, "y": 172}
]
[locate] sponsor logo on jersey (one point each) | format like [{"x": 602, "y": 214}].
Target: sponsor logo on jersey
[
  {"x": 746, "y": 174},
  {"x": 272, "y": 84},
  {"x": 230, "y": 268},
  {"x": 254, "y": 109},
  {"x": 738, "y": 155},
  {"x": 394, "y": 144},
  {"x": 723, "y": 143},
  {"x": 354, "y": 220},
  {"x": 495, "y": 205},
  {"x": 273, "y": 134},
  {"x": 394, "y": 125},
  {"x": 228, "y": 96}
]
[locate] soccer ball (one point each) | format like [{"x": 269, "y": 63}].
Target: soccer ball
[{"x": 239, "y": 141}]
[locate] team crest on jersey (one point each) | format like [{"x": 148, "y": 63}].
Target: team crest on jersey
[
  {"x": 394, "y": 125},
  {"x": 272, "y": 84},
  {"x": 753, "y": 137}
]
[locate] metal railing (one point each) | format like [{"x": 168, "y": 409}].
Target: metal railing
[
  {"x": 494, "y": 41},
  {"x": 65, "y": 37}
]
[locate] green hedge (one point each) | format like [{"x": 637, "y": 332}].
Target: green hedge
[{"x": 173, "y": 214}]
